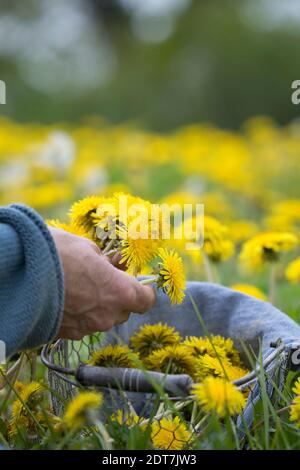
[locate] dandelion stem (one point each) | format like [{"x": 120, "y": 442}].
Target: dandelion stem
[
  {"x": 108, "y": 247},
  {"x": 150, "y": 280}
]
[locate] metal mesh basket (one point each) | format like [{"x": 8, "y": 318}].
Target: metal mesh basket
[
  {"x": 259, "y": 325},
  {"x": 68, "y": 372}
]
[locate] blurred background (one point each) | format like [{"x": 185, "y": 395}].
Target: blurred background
[
  {"x": 176, "y": 101},
  {"x": 162, "y": 63}
]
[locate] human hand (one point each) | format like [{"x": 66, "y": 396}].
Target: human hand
[{"x": 97, "y": 294}]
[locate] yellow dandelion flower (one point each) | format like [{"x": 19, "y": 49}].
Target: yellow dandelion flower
[
  {"x": 249, "y": 289},
  {"x": 137, "y": 253},
  {"x": 242, "y": 230},
  {"x": 170, "y": 434},
  {"x": 295, "y": 406},
  {"x": 175, "y": 359},
  {"x": 74, "y": 229},
  {"x": 208, "y": 365},
  {"x": 114, "y": 356},
  {"x": 152, "y": 337},
  {"x": 217, "y": 367},
  {"x": 266, "y": 247},
  {"x": 30, "y": 395},
  {"x": 171, "y": 275},
  {"x": 126, "y": 419},
  {"x": 217, "y": 245},
  {"x": 198, "y": 345},
  {"x": 214, "y": 346},
  {"x": 80, "y": 410},
  {"x": 285, "y": 214},
  {"x": 225, "y": 344},
  {"x": 219, "y": 395},
  {"x": 292, "y": 272},
  {"x": 81, "y": 212}
]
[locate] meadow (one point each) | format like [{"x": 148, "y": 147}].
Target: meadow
[{"x": 249, "y": 184}]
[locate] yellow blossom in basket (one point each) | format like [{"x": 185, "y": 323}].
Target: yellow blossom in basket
[
  {"x": 226, "y": 344},
  {"x": 293, "y": 271},
  {"x": 114, "y": 356},
  {"x": 152, "y": 337},
  {"x": 200, "y": 346},
  {"x": 80, "y": 410},
  {"x": 82, "y": 211},
  {"x": 208, "y": 365},
  {"x": 219, "y": 395},
  {"x": 170, "y": 434},
  {"x": 295, "y": 406},
  {"x": 266, "y": 247},
  {"x": 171, "y": 275},
  {"x": 175, "y": 359},
  {"x": 249, "y": 289},
  {"x": 214, "y": 346},
  {"x": 218, "y": 367}
]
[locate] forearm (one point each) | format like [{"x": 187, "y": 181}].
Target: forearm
[{"x": 31, "y": 280}]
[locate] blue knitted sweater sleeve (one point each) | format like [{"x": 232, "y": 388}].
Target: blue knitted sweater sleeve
[{"x": 31, "y": 280}]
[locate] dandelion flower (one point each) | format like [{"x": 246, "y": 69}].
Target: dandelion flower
[
  {"x": 171, "y": 275},
  {"x": 295, "y": 406},
  {"x": 293, "y": 271},
  {"x": 30, "y": 396},
  {"x": 266, "y": 247},
  {"x": 170, "y": 434},
  {"x": 137, "y": 253},
  {"x": 152, "y": 337},
  {"x": 80, "y": 410},
  {"x": 74, "y": 229},
  {"x": 249, "y": 289},
  {"x": 175, "y": 359},
  {"x": 218, "y": 367},
  {"x": 114, "y": 356},
  {"x": 214, "y": 346},
  {"x": 125, "y": 418},
  {"x": 81, "y": 212},
  {"x": 219, "y": 395}
]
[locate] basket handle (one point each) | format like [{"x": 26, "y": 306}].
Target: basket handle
[{"x": 134, "y": 380}]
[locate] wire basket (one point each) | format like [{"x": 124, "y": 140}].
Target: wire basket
[{"x": 68, "y": 372}]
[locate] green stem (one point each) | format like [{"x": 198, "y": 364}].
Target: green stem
[
  {"x": 151, "y": 280},
  {"x": 108, "y": 247}
]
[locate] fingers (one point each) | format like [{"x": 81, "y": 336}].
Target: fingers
[
  {"x": 134, "y": 296},
  {"x": 145, "y": 298}
]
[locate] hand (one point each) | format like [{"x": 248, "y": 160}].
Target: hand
[{"x": 97, "y": 294}]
